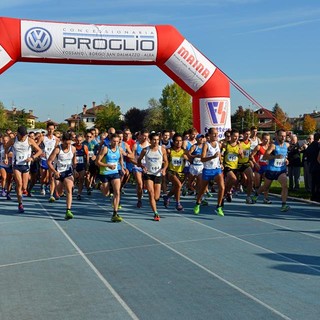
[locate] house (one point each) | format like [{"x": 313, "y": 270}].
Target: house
[
  {"x": 265, "y": 118},
  {"x": 73, "y": 121},
  {"x": 316, "y": 116},
  {"x": 30, "y": 117},
  {"x": 87, "y": 116}
]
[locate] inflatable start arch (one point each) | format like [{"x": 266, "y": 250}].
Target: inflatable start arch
[{"x": 161, "y": 45}]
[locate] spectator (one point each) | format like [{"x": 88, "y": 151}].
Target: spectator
[
  {"x": 312, "y": 153},
  {"x": 294, "y": 163},
  {"x": 306, "y": 164}
]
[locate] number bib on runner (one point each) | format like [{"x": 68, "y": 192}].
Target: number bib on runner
[
  {"x": 177, "y": 162},
  {"x": 279, "y": 163},
  {"x": 232, "y": 157}
]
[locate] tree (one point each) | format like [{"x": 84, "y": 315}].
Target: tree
[
  {"x": 134, "y": 119},
  {"x": 176, "y": 108},
  {"x": 3, "y": 117},
  {"x": 281, "y": 118},
  {"x": 154, "y": 116},
  {"x": 19, "y": 118},
  {"x": 40, "y": 125},
  {"x": 309, "y": 124},
  {"x": 62, "y": 127},
  {"x": 244, "y": 118},
  {"x": 108, "y": 116}
]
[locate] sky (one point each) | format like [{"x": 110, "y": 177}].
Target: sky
[{"x": 268, "y": 47}]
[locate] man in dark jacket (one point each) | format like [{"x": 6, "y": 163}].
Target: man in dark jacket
[
  {"x": 294, "y": 163},
  {"x": 312, "y": 153}
]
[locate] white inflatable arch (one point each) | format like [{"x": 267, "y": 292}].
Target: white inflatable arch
[{"x": 161, "y": 45}]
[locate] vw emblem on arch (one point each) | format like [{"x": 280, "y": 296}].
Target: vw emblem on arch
[{"x": 38, "y": 39}]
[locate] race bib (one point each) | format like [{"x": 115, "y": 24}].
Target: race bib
[
  {"x": 177, "y": 162},
  {"x": 154, "y": 169},
  {"x": 232, "y": 157},
  {"x": 279, "y": 162},
  {"x": 197, "y": 161},
  {"x": 246, "y": 153},
  {"x": 80, "y": 160},
  {"x": 261, "y": 160},
  {"x": 21, "y": 160}
]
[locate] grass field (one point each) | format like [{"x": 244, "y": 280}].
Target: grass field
[{"x": 301, "y": 193}]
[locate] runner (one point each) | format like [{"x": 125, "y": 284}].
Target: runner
[
  {"x": 6, "y": 169},
  {"x": 92, "y": 146},
  {"x": 177, "y": 158},
  {"x": 82, "y": 167},
  {"x": 143, "y": 142},
  {"x": 108, "y": 159},
  {"x": 211, "y": 158},
  {"x": 277, "y": 167},
  {"x": 232, "y": 154},
  {"x": 260, "y": 165},
  {"x": 64, "y": 157},
  {"x": 196, "y": 165},
  {"x": 154, "y": 170},
  {"x": 47, "y": 143},
  {"x": 21, "y": 147},
  {"x": 244, "y": 165}
]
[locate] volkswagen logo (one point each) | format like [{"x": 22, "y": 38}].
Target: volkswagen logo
[{"x": 38, "y": 39}]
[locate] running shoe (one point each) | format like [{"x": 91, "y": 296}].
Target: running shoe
[
  {"x": 179, "y": 207},
  {"x": 249, "y": 200},
  {"x": 285, "y": 208},
  {"x": 156, "y": 217},
  {"x": 204, "y": 202},
  {"x": 229, "y": 197},
  {"x": 254, "y": 199},
  {"x": 139, "y": 204},
  {"x": 8, "y": 196},
  {"x": 3, "y": 193},
  {"x": 69, "y": 215},
  {"x": 116, "y": 218},
  {"x": 267, "y": 201},
  {"x": 191, "y": 193},
  {"x": 209, "y": 195},
  {"x": 79, "y": 197},
  {"x": 24, "y": 193},
  {"x": 196, "y": 209},
  {"x": 89, "y": 192},
  {"x": 119, "y": 206},
  {"x": 20, "y": 208},
  {"x": 52, "y": 199},
  {"x": 219, "y": 211},
  {"x": 43, "y": 192},
  {"x": 166, "y": 201}
]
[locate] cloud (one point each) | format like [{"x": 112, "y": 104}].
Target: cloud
[{"x": 281, "y": 26}]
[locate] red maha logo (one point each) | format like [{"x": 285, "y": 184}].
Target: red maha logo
[{"x": 194, "y": 62}]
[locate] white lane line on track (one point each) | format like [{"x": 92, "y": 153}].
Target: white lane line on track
[
  {"x": 38, "y": 260},
  {"x": 253, "y": 244},
  {"x": 212, "y": 273},
  {"x": 94, "y": 269},
  {"x": 203, "y": 267}
]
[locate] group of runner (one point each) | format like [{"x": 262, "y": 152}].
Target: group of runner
[{"x": 160, "y": 162}]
